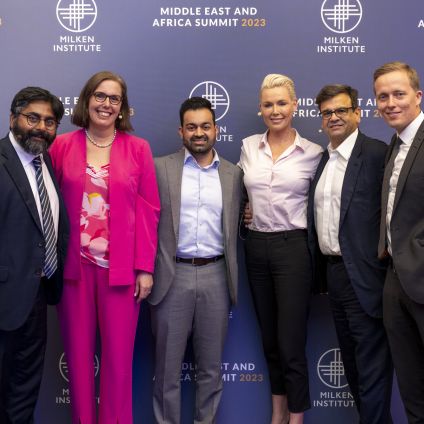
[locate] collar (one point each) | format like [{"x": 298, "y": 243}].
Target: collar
[
  {"x": 298, "y": 141},
  {"x": 24, "y": 156},
  {"x": 408, "y": 134},
  {"x": 189, "y": 158},
  {"x": 346, "y": 146}
]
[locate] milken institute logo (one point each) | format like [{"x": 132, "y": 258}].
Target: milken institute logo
[
  {"x": 331, "y": 370},
  {"x": 341, "y": 16},
  {"x": 76, "y": 15},
  {"x": 216, "y": 94}
]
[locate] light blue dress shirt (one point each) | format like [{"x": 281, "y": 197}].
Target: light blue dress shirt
[{"x": 200, "y": 231}]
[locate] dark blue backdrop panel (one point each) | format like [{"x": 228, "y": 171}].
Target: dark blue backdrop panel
[{"x": 169, "y": 50}]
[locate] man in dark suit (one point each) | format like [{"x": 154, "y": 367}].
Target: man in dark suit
[
  {"x": 33, "y": 238},
  {"x": 398, "y": 94},
  {"x": 343, "y": 225},
  {"x": 195, "y": 278}
]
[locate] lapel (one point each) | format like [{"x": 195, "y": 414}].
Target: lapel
[
  {"x": 407, "y": 165},
  {"x": 48, "y": 163},
  {"x": 62, "y": 209},
  {"x": 174, "y": 173},
  {"x": 17, "y": 173},
  {"x": 351, "y": 176},
  {"x": 311, "y": 197},
  {"x": 320, "y": 168},
  {"x": 226, "y": 177},
  {"x": 386, "y": 180}
]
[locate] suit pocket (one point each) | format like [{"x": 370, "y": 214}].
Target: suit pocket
[{"x": 4, "y": 272}]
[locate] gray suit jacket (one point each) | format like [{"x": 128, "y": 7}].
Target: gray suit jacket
[
  {"x": 169, "y": 171},
  {"x": 407, "y": 224}
]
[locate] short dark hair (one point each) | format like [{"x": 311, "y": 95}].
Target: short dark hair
[
  {"x": 332, "y": 90},
  {"x": 81, "y": 117},
  {"x": 195, "y": 103},
  {"x": 36, "y": 94}
]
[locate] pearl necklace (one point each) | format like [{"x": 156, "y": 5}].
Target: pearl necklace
[{"x": 102, "y": 146}]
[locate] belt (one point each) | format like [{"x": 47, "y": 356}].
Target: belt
[
  {"x": 284, "y": 234},
  {"x": 334, "y": 259},
  {"x": 198, "y": 261}
]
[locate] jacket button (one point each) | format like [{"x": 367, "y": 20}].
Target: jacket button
[
  {"x": 38, "y": 272},
  {"x": 41, "y": 244}
]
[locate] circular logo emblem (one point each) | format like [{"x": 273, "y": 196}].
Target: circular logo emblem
[
  {"x": 63, "y": 367},
  {"x": 330, "y": 369},
  {"x": 341, "y": 16},
  {"x": 76, "y": 15},
  {"x": 216, "y": 94}
]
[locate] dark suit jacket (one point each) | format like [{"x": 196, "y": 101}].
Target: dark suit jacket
[
  {"x": 359, "y": 223},
  {"x": 169, "y": 170},
  {"x": 22, "y": 242},
  {"x": 407, "y": 224}
]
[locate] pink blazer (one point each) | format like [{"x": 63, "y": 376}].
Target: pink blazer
[{"x": 133, "y": 198}]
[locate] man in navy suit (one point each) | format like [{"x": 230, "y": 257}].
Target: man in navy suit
[
  {"x": 33, "y": 239},
  {"x": 343, "y": 226},
  {"x": 398, "y": 93}
]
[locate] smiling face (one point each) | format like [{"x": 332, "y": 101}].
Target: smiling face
[
  {"x": 199, "y": 134},
  {"x": 102, "y": 115},
  {"x": 397, "y": 102},
  {"x": 34, "y": 138},
  {"x": 277, "y": 108},
  {"x": 339, "y": 128}
]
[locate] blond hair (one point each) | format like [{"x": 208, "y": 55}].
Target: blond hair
[
  {"x": 279, "y": 80},
  {"x": 413, "y": 77}
]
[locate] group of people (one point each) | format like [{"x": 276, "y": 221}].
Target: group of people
[{"x": 91, "y": 222}]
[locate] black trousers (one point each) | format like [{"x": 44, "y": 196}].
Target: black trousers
[
  {"x": 404, "y": 322},
  {"x": 279, "y": 273},
  {"x": 21, "y": 365},
  {"x": 364, "y": 348}
]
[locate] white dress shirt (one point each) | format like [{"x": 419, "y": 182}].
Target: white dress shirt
[
  {"x": 26, "y": 160},
  {"x": 328, "y": 194},
  {"x": 407, "y": 137},
  {"x": 278, "y": 190},
  {"x": 200, "y": 231}
]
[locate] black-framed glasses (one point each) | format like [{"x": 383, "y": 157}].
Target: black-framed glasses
[
  {"x": 340, "y": 112},
  {"x": 33, "y": 119},
  {"x": 101, "y": 97}
]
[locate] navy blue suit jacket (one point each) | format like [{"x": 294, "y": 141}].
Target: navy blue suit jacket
[
  {"x": 359, "y": 224},
  {"x": 22, "y": 246},
  {"x": 407, "y": 224}
]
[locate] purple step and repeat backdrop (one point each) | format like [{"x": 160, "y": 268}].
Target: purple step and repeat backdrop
[{"x": 170, "y": 50}]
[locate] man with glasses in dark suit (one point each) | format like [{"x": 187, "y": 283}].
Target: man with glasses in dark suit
[
  {"x": 33, "y": 239},
  {"x": 343, "y": 225}
]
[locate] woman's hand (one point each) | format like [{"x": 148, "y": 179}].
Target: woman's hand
[{"x": 143, "y": 285}]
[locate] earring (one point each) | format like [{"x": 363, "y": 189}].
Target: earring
[
  {"x": 120, "y": 116},
  {"x": 259, "y": 113}
]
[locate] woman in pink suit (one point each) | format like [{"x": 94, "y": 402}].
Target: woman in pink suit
[{"x": 108, "y": 181}]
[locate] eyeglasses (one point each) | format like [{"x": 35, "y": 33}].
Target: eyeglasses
[
  {"x": 101, "y": 97},
  {"x": 34, "y": 119},
  {"x": 340, "y": 112}
]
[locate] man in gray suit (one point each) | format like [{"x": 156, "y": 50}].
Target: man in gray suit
[
  {"x": 195, "y": 278},
  {"x": 398, "y": 94}
]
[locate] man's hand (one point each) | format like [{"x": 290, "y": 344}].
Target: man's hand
[{"x": 247, "y": 215}]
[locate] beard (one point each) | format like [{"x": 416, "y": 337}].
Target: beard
[
  {"x": 204, "y": 148},
  {"x": 30, "y": 141}
]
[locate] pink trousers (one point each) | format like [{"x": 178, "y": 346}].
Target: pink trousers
[{"x": 86, "y": 305}]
